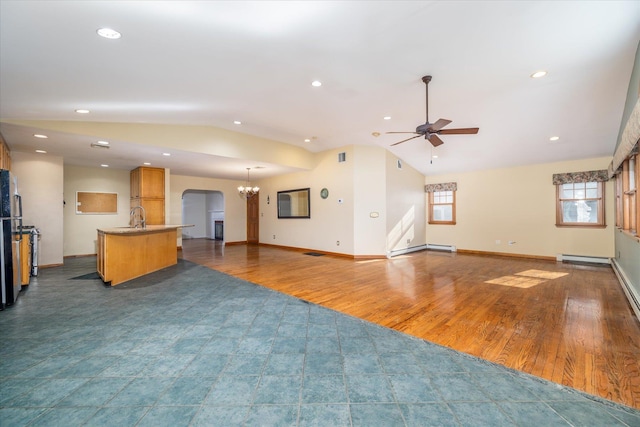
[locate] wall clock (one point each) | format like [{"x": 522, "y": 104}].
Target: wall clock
[{"x": 324, "y": 193}]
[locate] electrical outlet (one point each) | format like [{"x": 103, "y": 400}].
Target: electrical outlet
[
  {"x": 408, "y": 241},
  {"x": 274, "y": 237},
  {"x": 338, "y": 243},
  {"x": 497, "y": 242}
]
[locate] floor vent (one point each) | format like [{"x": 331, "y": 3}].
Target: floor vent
[
  {"x": 580, "y": 259},
  {"x": 632, "y": 296},
  {"x": 444, "y": 248}
]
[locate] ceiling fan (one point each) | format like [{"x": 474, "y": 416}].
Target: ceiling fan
[{"x": 430, "y": 131}]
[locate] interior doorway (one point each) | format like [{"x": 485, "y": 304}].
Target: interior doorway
[
  {"x": 253, "y": 219},
  {"x": 205, "y": 210}
]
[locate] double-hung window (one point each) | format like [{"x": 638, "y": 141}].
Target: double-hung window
[
  {"x": 627, "y": 197},
  {"x": 580, "y": 199},
  {"x": 442, "y": 203}
]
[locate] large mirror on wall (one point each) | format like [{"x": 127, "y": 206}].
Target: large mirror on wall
[{"x": 294, "y": 203}]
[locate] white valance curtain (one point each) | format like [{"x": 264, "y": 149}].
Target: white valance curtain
[{"x": 629, "y": 140}]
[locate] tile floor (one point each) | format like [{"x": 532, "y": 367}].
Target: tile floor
[{"x": 190, "y": 346}]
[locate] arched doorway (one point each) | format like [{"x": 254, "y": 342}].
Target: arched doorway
[{"x": 205, "y": 210}]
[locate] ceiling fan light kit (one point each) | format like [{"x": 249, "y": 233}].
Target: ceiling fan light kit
[{"x": 430, "y": 131}]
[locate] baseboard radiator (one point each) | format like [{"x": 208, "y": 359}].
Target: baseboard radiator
[
  {"x": 632, "y": 296},
  {"x": 582, "y": 258},
  {"x": 444, "y": 248},
  {"x": 406, "y": 251}
]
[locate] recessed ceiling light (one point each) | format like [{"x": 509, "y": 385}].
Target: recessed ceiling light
[
  {"x": 37, "y": 135},
  {"x": 538, "y": 74},
  {"x": 554, "y": 138},
  {"x": 103, "y": 142},
  {"x": 376, "y": 134},
  {"x": 41, "y": 151},
  {"x": 104, "y": 166},
  {"x": 108, "y": 33},
  {"x": 166, "y": 154},
  {"x": 147, "y": 164},
  {"x": 81, "y": 111},
  {"x": 307, "y": 140},
  {"x": 434, "y": 156},
  {"x": 237, "y": 122},
  {"x": 387, "y": 117},
  {"x": 316, "y": 83}
]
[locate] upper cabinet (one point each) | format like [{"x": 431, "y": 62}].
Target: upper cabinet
[
  {"x": 147, "y": 183},
  {"x": 5, "y": 157},
  {"x": 147, "y": 190}
]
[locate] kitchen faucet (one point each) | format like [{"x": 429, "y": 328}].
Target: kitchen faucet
[{"x": 143, "y": 217}]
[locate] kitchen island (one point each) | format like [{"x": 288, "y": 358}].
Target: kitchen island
[{"x": 125, "y": 253}]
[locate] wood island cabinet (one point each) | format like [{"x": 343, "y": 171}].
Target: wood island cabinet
[
  {"x": 147, "y": 190},
  {"x": 125, "y": 253}
]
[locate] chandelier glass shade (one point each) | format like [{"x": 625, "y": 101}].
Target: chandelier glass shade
[{"x": 247, "y": 190}]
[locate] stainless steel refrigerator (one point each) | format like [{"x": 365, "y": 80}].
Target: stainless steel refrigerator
[{"x": 10, "y": 237}]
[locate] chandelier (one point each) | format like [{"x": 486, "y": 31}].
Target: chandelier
[{"x": 247, "y": 190}]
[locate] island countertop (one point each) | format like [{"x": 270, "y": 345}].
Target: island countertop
[
  {"x": 147, "y": 229},
  {"x": 125, "y": 253}
]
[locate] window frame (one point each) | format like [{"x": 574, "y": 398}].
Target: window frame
[
  {"x": 452, "y": 204},
  {"x": 627, "y": 197},
  {"x": 601, "y": 207}
]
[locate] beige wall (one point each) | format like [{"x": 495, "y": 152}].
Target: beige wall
[
  {"x": 80, "y": 230},
  {"x": 40, "y": 182},
  {"x": 518, "y": 204},
  {"x": 369, "y": 191},
  {"x": 330, "y": 222}
]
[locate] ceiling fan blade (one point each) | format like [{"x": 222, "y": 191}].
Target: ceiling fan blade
[
  {"x": 435, "y": 140},
  {"x": 439, "y": 125},
  {"x": 405, "y": 140},
  {"x": 458, "y": 131},
  {"x": 405, "y": 132}
]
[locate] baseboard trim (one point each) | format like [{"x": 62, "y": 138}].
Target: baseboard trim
[
  {"x": 632, "y": 297},
  {"x": 507, "y": 255},
  {"x": 50, "y": 266}
]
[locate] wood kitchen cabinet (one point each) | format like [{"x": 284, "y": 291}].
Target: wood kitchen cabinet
[{"x": 147, "y": 190}]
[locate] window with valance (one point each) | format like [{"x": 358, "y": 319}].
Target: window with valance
[
  {"x": 442, "y": 202},
  {"x": 580, "y": 198}
]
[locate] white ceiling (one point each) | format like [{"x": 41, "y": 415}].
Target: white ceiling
[{"x": 213, "y": 62}]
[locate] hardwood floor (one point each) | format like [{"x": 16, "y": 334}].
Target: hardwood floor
[{"x": 576, "y": 329}]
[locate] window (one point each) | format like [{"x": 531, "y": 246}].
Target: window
[
  {"x": 442, "y": 203},
  {"x": 580, "y": 204},
  {"x": 627, "y": 200},
  {"x": 580, "y": 198}
]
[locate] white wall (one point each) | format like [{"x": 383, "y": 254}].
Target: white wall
[
  {"x": 40, "y": 182},
  {"x": 234, "y": 207},
  {"x": 406, "y": 206},
  {"x": 194, "y": 211},
  {"x": 519, "y": 204},
  {"x": 80, "y": 230}
]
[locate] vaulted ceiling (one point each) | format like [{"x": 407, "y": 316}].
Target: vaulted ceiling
[{"x": 210, "y": 63}]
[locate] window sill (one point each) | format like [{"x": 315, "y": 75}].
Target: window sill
[
  {"x": 581, "y": 226},
  {"x": 630, "y": 234},
  {"x": 442, "y": 222}
]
